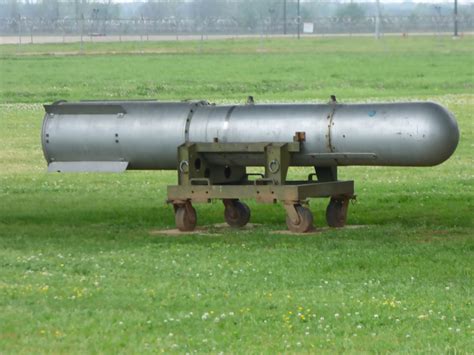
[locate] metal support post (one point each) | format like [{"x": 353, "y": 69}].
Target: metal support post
[
  {"x": 298, "y": 19},
  {"x": 455, "y": 18}
]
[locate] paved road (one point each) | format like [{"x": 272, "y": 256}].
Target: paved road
[{"x": 113, "y": 38}]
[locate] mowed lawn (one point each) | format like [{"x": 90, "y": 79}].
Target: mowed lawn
[{"x": 80, "y": 271}]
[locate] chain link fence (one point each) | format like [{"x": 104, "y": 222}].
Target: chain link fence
[{"x": 24, "y": 30}]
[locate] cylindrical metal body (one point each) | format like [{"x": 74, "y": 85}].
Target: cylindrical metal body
[{"x": 146, "y": 134}]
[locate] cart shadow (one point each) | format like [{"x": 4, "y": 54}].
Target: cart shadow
[{"x": 221, "y": 229}]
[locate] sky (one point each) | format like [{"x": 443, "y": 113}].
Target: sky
[
  {"x": 364, "y": 1},
  {"x": 464, "y": 2}
]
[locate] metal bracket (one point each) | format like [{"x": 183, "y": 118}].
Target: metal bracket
[
  {"x": 326, "y": 173},
  {"x": 277, "y": 157},
  {"x": 193, "y": 163}
]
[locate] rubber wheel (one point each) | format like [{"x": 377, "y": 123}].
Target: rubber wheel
[
  {"x": 185, "y": 221},
  {"x": 336, "y": 213},
  {"x": 306, "y": 220},
  {"x": 238, "y": 215}
]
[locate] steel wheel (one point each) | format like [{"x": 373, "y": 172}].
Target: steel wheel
[
  {"x": 237, "y": 214},
  {"x": 336, "y": 212},
  {"x": 305, "y": 223},
  {"x": 185, "y": 218}
]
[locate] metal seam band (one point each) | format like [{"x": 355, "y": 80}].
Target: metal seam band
[
  {"x": 188, "y": 122},
  {"x": 331, "y": 119}
]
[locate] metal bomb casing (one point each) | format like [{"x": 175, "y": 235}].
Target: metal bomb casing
[{"x": 119, "y": 135}]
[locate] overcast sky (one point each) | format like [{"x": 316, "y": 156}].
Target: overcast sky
[
  {"x": 322, "y": 1},
  {"x": 366, "y": 1}
]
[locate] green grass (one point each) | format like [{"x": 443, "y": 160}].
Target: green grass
[
  {"x": 310, "y": 69},
  {"x": 80, "y": 271}
]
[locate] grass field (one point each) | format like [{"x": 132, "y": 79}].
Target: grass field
[
  {"x": 356, "y": 68},
  {"x": 80, "y": 271}
]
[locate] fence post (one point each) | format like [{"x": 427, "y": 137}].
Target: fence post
[
  {"x": 82, "y": 33},
  {"x": 145, "y": 24},
  {"x": 177, "y": 30},
  {"x": 455, "y": 18},
  {"x": 202, "y": 37},
  {"x": 377, "y": 21},
  {"x": 298, "y": 18},
  {"x": 19, "y": 31},
  {"x": 262, "y": 29},
  {"x": 31, "y": 32}
]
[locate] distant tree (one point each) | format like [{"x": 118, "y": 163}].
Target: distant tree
[
  {"x": 50, "y": 9},
  {"x": 248, "y": 15},
  {"x": 151, "y": 9},
  {"x": 209, "y": 9},
  {"x": 13, "y": 9},
  {"x": 306, "y": 14},
  {"x": 352, "y": 10},
  {"x": 77, "y": 9}
]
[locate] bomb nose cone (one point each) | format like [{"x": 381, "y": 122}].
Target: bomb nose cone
[{"x": 443, "y": 132}]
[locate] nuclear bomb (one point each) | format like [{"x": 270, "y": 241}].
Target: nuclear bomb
[{"x": 211, "y": 147}]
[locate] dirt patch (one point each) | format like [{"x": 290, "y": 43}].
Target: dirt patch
[
  {"x": 442, "y": 235},
  {"x": 104, "y": 52},
  {"x": 214, "y": 230},
  {"x": 220, "y": 228},
  {"x": 317, "y": 231}
]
